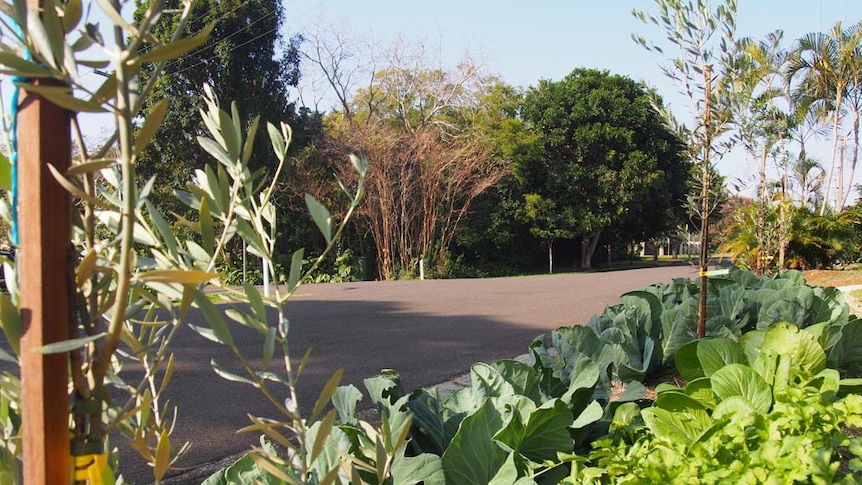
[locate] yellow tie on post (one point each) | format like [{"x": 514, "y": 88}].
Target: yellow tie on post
[{"x": 90, "y": 468}]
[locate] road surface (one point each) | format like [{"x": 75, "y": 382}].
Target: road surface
[{"x": 429, "y": 331}]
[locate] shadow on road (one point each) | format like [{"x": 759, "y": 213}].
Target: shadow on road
[{"x": 359, "y": 336}]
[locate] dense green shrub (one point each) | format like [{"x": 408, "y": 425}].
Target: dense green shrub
[{"x": 809, "y": 239}]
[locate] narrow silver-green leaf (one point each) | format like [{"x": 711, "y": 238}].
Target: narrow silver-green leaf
[
  {"x": 90, "y": 166},
  {"x": 161, "y": 225},
  {"x": 142, "y": 234},
  {"x": 231, "y": 136},
  {"x": 23, "y": 67},
  {"x": 295, "y": 270},
  {"x": 255, "y": 300},
  {"x": 5, "y": 173},
  {"x": 229, "y": 375},
  {"x": 255, "y": 244},
  {"x": 326, "y": 393},
  {"x": 207, "y": 227},
  {"x": 7, "y": 357},
  {"x": 237, "y": 129},
  {"x": 163, "y": 455},
  {"x": 151, "y": 124},
  {"x": 93, "y": 63},
  {"x": 177, "y": 48},
  {"x": 212, "y": 124},
  {"x": 269, "y": 346},
  {"x": 199, "y": 254},
  {"x": 360, "y": 164},
  {"x": 275, "y": 138},
  {"x": 215, "y": 319},
  {"x": 272, "y": 376},
  {"x": 216, "y": 150},
  {"x": 72, "y": 12},
  {"x": 320, "y": 215},
  {"x": 62, "y": 97},
  {"x": 69, "y": 62},
  {"x": 56, "y": 34},
  {"x": 83, "y": 43},
  {"x": 323, "y": 433},
  {"x": 116, "y": 18},
  {"x": 39, "y": 36},
  {"x": 206, "y": 333},
  {"x": 10, "y": 320},
  {"x": 106, "y": 91},
  {"x": 67, "y": 345},
  {"x": 75, "y": 190},
  {"x": 189, "y": 292},
  {"x": 19, "y": 11},
  {"x": 169, "y": 373},
  {"x": 249, "y": 140},
  {"x": 242, "y": 318}
]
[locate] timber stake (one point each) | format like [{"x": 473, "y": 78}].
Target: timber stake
[{"x": 42, "y": 260}]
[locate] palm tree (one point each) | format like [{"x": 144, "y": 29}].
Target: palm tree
[
  {"x": 762, "y": 125},
  {"x": 806, "y": 118},
  {"x": 854, "y": 102},
  {"x": 828, "y": 64},
  {"x": 808, "y": 174}
]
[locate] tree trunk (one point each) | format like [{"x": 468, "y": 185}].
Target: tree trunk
[
  {"x": 855, "y": 157},
  {"x": 550, "y": 256},
  {"x": 589, "y": 247},
  {"x": 839, "y": 179},
  {"x": 838, "y": 97},
  {"x": 761, "y": 215},
  {"x": 782, "y": 246}
]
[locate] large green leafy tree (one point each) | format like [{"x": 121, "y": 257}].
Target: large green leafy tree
[
  {"x": 494, "y": 232},
  {"x": 244, "y": 60},
  {"x": 605, "y": 157}
]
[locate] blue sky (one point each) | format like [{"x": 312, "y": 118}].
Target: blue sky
[{"x": 524, "y": 42}]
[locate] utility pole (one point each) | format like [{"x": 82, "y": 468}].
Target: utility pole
[{"x": 42, "y": 260}]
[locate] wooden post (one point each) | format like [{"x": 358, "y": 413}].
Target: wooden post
[
  {"x": 705, "y": 207},
  {"x": 44, "y": 234}
]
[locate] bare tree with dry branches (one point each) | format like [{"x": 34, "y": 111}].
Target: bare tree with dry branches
[{"x": 413, "y": 119}]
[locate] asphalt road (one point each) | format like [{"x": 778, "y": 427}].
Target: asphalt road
[{"x": 429, "y": 331}]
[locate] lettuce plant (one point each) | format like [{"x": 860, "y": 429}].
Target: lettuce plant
[{"x": 751, "y": 411}]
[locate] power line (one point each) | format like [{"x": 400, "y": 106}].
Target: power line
[
  {"x": 324, "y": 2},
  {"x": 204, "y": 14},
  {"x": 216, "y": 57},
  {"x": 230, "y": 35},
  {"x": 213, "y": 44},
  {"x": 197, "y": 18}
]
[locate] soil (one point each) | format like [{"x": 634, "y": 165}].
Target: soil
[
  {"x": 824, "y": 277},
  {"x": 829, "y": 277}
]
